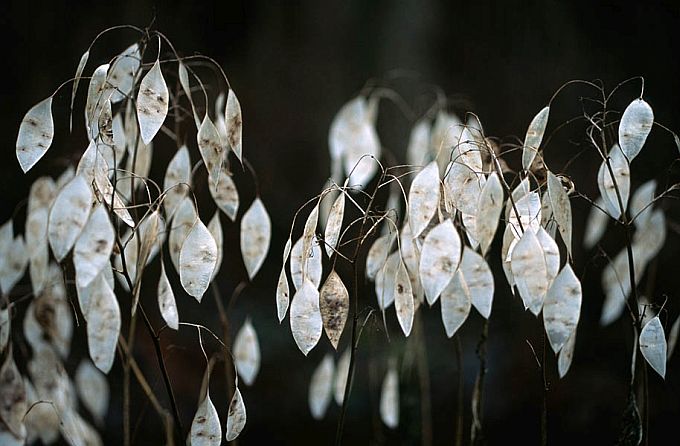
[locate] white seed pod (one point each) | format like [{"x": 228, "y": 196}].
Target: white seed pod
[
  {"x": 166, "y": 300},
  {"x": 456, "y": 304},
  {"x": 334, "y": 224},
  {"x": 321, "y": 387},
  {"x": 530, "y": 271},
  {"x": 636, "y": 123},
  {"x": 236, "y": 419},
  {"x": 197, "y": 260},
  {"x": 534, "y": 136},
  {"x": 463, "y": 187},
  {"x": 205, "y": 427},
  {"x": 98, "y": 92},
  {"x": 377, "y": 254},
  {"x": 608, "y": 185},
  {"x": 215, "y": 228},
  {"x": 305, "y": 317},
  {"x": 177, "y": 180},
  {"x": 225, "y": 194},
  {"x": 418, "y": 143},
  {"x": 152, "y": 103},
  {"x": 234, "y": 124},
  {"x": 35, "y": 134},
  {"x": 439, "y": 259},
  {"x": 93, "y": 248},
  {"x": 247, "y": 353},
  {"x": 403, "y": 299},
  {"x": 121, "y": 76},
  {"x": 653, "y": 345},
  {"x": 641, "y": 203},
  {"x": 182, "y": 222},
  {"x": 42, "y": 421},
  {"x": 211, "y": 148},
  {"x": 467, "y": 151},
  {"x": 76, "y": 80},
  {"x": 478, "y": 280},
  {"x": 562, "y": 308},
  {"x": 423, "y": 198},
  {"x": 313, "y": 264},
  {"x": 561, "y": 208},
  {"x": 616, "y": 286},
  {"x": 528, "y": 215},
  {"x": 93, "y": 389},
  {"x": 308, "y": 235},
  {"x": 103, "y": 325},
  {"x": 183, "y": 75},
  {"x": 334, "y": 305},
  {"x": 596, "y": 224},
  {"x": 444, "y": 137},
  {"x": 489, "y": 210},
  {"x": 389, "y": 399},
  {"x": 341, "y": 374},
  {"x": 256, "y": 233},
  {"x": 551, "y": 253},
  {"x": 566, "y": 355},
  {"x": 282, "y": 294},
  {"x": 68, "y": 216},
  {"x": 385, "y": 281},
  {"x": 15, "y": 259}
]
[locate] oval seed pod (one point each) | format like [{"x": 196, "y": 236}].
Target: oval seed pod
[
  {"x": 566, "y": 355},
  {"x": 93, "y": 389},
  {"x": 76, "y": 81},
  {"x": 418, "y": 143},
  {"x": 561, "y": 208},
  {"x": 305, "y": 317},
  {"x": 653, "y": 345},
  {"x": 403, "y": 299},
  {"x": 93, "y": 248},
  {"x": 121, "y": 76},
  {"x": 478, "y": 280},
  {"x": 152, "y": 103},
  {"x": 641, "y": 203},
  {"x": 321, "y": 387},
  {"x": 551, "y": 253},
  {"x": 534, "y": 136},
  {"x": 197, "y": 260},
  {"x": 225, "y": 194},
  {"x": 236, "y": 420},
  {"x": 211, "y": 148},
  {"x": 423, "y": 198},
  {"x": 530, "y": 271},
  {"x": 13, "y": 397},
  {"x": 177, "y": 180},
  {"x": 247, "y": 353},
  {"x": 488, "y": 211},
  {"x": 35, "y": 134},
  {"x": 234, "y": 124},
  {"x": 389, "y": 399},
  {"x": 215, "y": 228},
  {"x": 282, "y": 288},
  {"x": 562, "y": 308},
  {"x": 182, "y": 222},
  {"x": 439, "y": 259},
  {"x": 334, "y": 305},
  {"x": 636, "y": 123},
  {"x": 166, "y": 300},
  {"x": 596, "y": 224},
  {"x": 205, "y": 427},
  {"x": 385, "y": 279},
  {"x": 103, "y": 325},
  {"x": 456, "y": 304},
  {"x": 256, "y": 232},
  {"x": 377, "y": 254},
  {"x": 334, "y": 224},
  {"x": 313, "y": 264},
  {"x": 463, "y": 187},
  {"x": 68, "y": 216}
]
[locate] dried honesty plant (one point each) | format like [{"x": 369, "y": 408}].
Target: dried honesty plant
[
  {"x": 94, "y": 231},
  {"x": 423, "y": 232}
]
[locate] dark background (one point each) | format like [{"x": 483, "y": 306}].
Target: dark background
[{"x": 293, "y": 64}]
